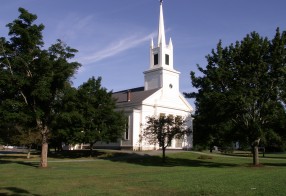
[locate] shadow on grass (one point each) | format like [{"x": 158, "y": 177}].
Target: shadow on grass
[
  {"x": 275, "y": 156},
  {"x": 127, "y": 157},
  {"x": 236, "y": 154},
  {"x": 148, "y": 160},
  {"x": 12, "y": 157},
  {"x": 31, "y": 164},
  {"x": 275, "y": 164},
  {"x": 75, "y": 154},
  {"x": 139, "y": 158},
  {"x": 15, "y": 191},
  {"x": 19, "y": 158},
  {"x": 249, "y": 154}
]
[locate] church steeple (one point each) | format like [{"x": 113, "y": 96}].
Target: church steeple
[
  {"x": 161, "y": 72},
  {"x": 162, "y": 54},
  {"x": 161, "y": 29}
]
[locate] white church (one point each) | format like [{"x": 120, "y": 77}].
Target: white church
[{"x": 160, "y": 95}]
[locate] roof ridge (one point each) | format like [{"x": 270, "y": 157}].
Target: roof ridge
[{"x": 141, "y": 88}]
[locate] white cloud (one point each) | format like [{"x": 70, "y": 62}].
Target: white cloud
[
  {"x": 73, "y": 26},
  {"x": 115, "y": 48}
]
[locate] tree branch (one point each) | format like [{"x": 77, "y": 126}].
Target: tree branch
[{"x": 11, "y": 72}]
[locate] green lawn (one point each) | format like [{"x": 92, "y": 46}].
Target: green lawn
[{"x": 117, "y": 173}]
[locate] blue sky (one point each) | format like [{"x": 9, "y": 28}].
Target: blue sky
[{"x": 113, "y": 36}]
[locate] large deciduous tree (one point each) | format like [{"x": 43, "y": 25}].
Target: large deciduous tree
[
  {"x": 241, "y": 93},
  {"x": 31, "y": 77},
  {"x": 163, "y": 129}
]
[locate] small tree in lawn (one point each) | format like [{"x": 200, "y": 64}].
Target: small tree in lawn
[
  {"x": 27, "y": 137},
  {"x": 162, "y": 130}
]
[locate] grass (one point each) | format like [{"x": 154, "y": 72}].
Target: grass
[{"x": 119, "y": 173}]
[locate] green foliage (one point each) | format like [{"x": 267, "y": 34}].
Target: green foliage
[
  {"x": 100, "y": 120},
  {"x": 67, "y": 123},
  {"x": 86, "y": 115},
  {"x": 36, "y": 97},
  {"x": 31, "y": 77},
  {"x": 25, "y": 137},
  {"x": 241, "y": 93}
]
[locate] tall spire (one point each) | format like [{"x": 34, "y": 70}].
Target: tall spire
[
  {"x": 161, "y": 72},
  {"x": 161, "y": 31}
]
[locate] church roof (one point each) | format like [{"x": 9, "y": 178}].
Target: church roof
[{"x": 132, "y": 96}]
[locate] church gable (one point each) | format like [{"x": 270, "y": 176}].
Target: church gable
[{"x": 173, "y": 100}]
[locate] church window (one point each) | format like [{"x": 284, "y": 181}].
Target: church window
[
  {"x": 127, "y": 133},
  {"x": 167, "y": 59},
  {"x": 156, "y": 59}
]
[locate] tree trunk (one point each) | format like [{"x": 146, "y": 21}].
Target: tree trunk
[
  {"x": 90, "y": 149},
  {"x": 255, "y": 152},
  {"x": 255, "y": 156},
  {"x": 29, "y": 151},
  {"x": 164, "y": 154},
  {"x": 44, "y": 153}
]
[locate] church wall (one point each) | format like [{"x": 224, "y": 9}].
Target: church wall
[
  {"x": 153, "y": 80},
  {"x": 171, "y": 80},
  {"x": 136, "y": 130},
  {"x": 126, "y": 141},
  {"x": 147, "y": 110},
  {"x": 155, "y": 110},
  {"x": 169, "y": 99}
]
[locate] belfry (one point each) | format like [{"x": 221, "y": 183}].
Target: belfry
[{"x": 161, "y": 73}]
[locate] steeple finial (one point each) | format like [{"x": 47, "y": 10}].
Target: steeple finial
[{"x": 161, "y": 31}]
